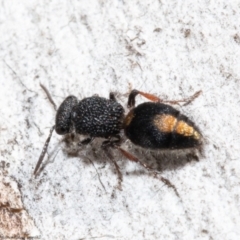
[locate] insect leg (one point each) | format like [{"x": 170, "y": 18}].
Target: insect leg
[
  {"x": 185, "y": 100},
  {"x": 134, "y": 93},
  {"x": 151, "y": 170},
  {"x": 112, "y": 96},
  {"x": 153, "y": 98},
  {"x": 132, "y": 158}
]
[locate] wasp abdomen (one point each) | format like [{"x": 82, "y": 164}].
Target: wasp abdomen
[{"x": 160, "y": 126}]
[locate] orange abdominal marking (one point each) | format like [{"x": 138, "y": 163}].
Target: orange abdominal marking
[
  {"x": 168, "y": 123},
  {"x": 184, "y": 129},
  {"x": 165, "y": 123}
]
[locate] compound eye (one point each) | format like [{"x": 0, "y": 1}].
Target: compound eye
[{"x": 61, "y": 130}]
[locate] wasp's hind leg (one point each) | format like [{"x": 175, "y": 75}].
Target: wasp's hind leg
[
  {"x": 112, "y": 96},
  {"x": 134, "y": 93},
  {"x": 151, "y": 171},
  {"x": 153, "y": 98}
]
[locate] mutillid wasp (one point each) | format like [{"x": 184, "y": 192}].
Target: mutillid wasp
[{"x": 151, "y": 125}]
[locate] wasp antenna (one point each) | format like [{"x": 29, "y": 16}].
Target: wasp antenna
[
  {"x": 48, "y": 96},
  {"x": 44, "y": 150}
]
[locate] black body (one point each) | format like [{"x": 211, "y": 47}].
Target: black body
[
  {"x": 97, "y": 117},
  {"x": 142, "y": 130}
]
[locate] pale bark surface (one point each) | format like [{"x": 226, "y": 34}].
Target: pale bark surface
[{"x": 168, "y": 48}]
